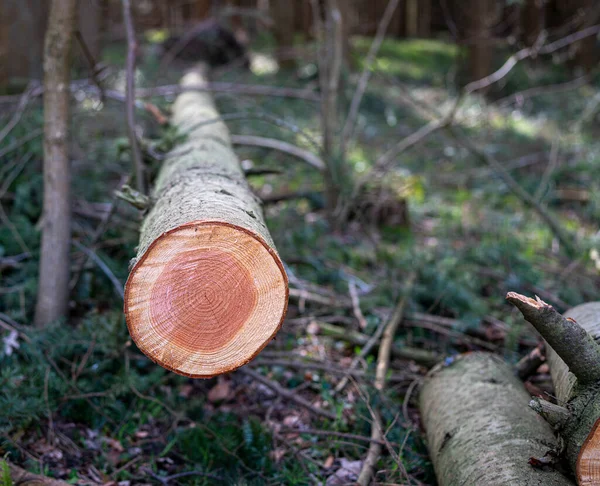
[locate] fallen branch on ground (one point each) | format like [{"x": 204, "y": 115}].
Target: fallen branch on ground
[
  {"x": 367, "y": 472},
  {"x": 288, "y": 394}
]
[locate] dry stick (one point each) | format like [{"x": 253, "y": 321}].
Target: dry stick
[
  {"x": 362, "y": 322},
  {"x": 350, "y": 124},
  {"x": 136, "y": 154},
  {"x": 383, "y": 362},
  {"x": 20, "y": 142},
  {"x": 288, "y": 394},
  {"x": 285, "y": 147},
  {"x": 420, "y": 356},
  {"x": 237, "y": 88},
  {"x": 478, "y": 85},
  {"x": 396, "y": 316},
  {"x": 91, "y": 62},
  {"x": 544, "y": 90},
  {"x": 320, "y": 366},
  {"x": 569, "y": 340},
  {"x": 118, "y": 286},
  {"x": 523, "y": 54},
  {"x": 20, "y": 476},
  {"x": 100, "y": 229},
  {"x": 331, "y": 433},
  {"x": 23, "y": 101},
  {"x": 357, "y": 359}
]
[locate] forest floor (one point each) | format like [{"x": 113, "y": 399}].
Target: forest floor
[{"x": 79, "y": 402}]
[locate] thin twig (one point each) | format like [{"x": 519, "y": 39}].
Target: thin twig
[
  {"x": 552, "y": 164},
  {"x": 118, "y": 286},
  {"x": 23, "y": 101},
  {"x": 288, "y": 394},
  {"x": 363, "y": 82},
  {"x": 285, "y": 147},
  {"x": 383, "y": 362},
  {"x": 22, "y": 141},
  {"x": 235, "y": 88},
  {"x": 569, "y": 340},
  {"x": 362, "y": 322},
  {"x": 136, "y": 154},
  {"x": 94, "y": 69}
]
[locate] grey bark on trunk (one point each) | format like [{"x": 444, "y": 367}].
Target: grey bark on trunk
[
  {"x": 480, "y": 430},
  {"x": 53, "y": 287}
]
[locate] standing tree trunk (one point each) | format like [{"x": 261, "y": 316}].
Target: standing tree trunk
[
  {"x": 284, "y": 18},
  {"x": 207, "y": 290},
  {"x": 4, "y": 49},
  {"x": 22, "y": 59},
  {"x": 90, "y": 25},
  {"x": 53, "y": 287},
  {"x": 479, "y": 17},
  {"x": 532, "y": 20}
]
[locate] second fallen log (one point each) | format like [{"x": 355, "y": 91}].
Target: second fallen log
[{"x": 207, "y": 290}]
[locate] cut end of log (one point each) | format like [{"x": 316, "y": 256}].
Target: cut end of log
[
  {"x": 588, "y": 461},
  {"x": 206, "y": 298}
]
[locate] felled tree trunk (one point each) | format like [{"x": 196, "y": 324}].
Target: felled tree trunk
[
  {"x": 207, "y": 290},
  {"x": 574, "y": 359},
  {"x": 480, "y": 430}
]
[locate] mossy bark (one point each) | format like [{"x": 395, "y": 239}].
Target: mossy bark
[
  {"x": 480, "y": 430},
  {"x": 582, "y": 399}
]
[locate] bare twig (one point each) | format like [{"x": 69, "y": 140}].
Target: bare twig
[
  {"x": 332, "y": 433},
  {"x": 387, "y": 340},
  {"x": 234, "y": 88},
  {"x": 21, "y": 476},
  {"x": 569, "y": 340},
  {"x": 543, "y": 90},
  {"x": 288, "y": 394},
  {"x": 94, "y": 68},
  {"x": 408, "y": 142},
  {"x": 118, "y": 286},
  {"x": 100, "y": 229},
  {"x": 383, "y": 361},
  {"x": 23, "y": 102},
  {"x": 367, "y": 471},
  {"x": 552, "y": 164},
  {"x": 288, "y": 148},
  {"x": 362, "y": 322},
  {"x": 361, "y": 87},
  {"x": 523, "y": 54},
  {"x": 20, "y": 142},
  {"x": 164, "y": 480},
  {"x": 136, "y": 154}
]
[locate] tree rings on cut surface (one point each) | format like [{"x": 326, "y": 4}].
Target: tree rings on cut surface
[
  {"x": 205, "y": 298},
  {"x": 588, "y": 462}
]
